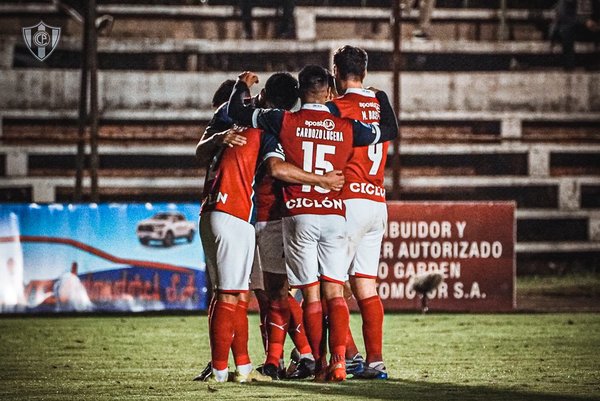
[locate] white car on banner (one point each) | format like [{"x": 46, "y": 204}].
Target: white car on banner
[{"x": 165, "y": 227}]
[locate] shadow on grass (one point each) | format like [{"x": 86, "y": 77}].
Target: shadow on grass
[{"x": 406, "y": 390}]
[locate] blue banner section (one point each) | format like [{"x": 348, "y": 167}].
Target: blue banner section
[{"x": 101, "y": 257}]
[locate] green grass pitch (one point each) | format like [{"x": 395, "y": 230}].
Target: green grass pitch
[{"x": 429, "y": 357}]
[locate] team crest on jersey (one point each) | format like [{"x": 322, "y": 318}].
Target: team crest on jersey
[{"x": 41, "y": 39}]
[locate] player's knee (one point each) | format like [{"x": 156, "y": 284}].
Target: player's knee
[{"x": 362, "y": 287}]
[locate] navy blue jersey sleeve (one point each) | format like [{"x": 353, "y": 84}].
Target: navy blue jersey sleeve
[
  {"x": 270, "y": 147},
  {"x": 269, "y": 120},
  {"x": 386, "y": 130},
  {"x": 219, "y": 122},
  {"x": 333, "y": 109},
  {"x": 210, "y": 143}
]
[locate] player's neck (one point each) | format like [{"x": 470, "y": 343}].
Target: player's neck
[
  {"x": 348, "y": 84},
  {"x": 314, "y": 99}
]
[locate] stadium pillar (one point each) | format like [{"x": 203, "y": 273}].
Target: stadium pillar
[
  {"x": 503, "y": 28},
  {"x": 396, "y": 65},
  {"x": 93, "y": 63},
  {"x": 83, "y": 111}
]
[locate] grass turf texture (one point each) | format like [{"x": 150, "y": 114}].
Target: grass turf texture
[{"x": 431, "y": 357}]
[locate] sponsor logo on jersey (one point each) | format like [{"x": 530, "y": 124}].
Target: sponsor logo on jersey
[
  {"x": 372, "y": 105},
  {"x": 327, "y": 124},
  {"x": 314, "y": 203},
  {"x": 367, "y": 188}
]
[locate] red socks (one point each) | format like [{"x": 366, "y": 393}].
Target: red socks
[
  {"x": 351, "y": 348},
  {"x": 211, "y": 309},
  {"x": 263, "y": 310},
  {"x": 313, "y": 324},
  {"x": 296, "y": 327},
  {"x": 221, "y": 333},
  {"x": 239, "y": 346},
  {"x": 371, "y": 310},
  {"x": 339, "y": 319},
  {"x": 279, "y": 316}
]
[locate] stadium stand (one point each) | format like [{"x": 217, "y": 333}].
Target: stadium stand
[
  {"x": 481, "y": 119},
  {"x": 311, "y": 22}
]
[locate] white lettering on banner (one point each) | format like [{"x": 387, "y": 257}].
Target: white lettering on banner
[
  {"x": 446, "y": 269},
  {"x": 460, "y": 226},
  {"x": 414, "y": 248},
  {"x": 367, "y": 188},
  {"x": 444, "y": 249},
  {"x": 419, "y": 229},
  {"x": 314, "y": 203},
  {"x": 315, "y": 133},
  {"x": 404, "y": 290},
  {"x": 402, "y": 270},
  {"x": 395, "y": 291},
  {"x": 474, "y": 292}
]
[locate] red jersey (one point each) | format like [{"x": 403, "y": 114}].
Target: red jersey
[
  {"x": 365, "y": 171},
  {"x": 314, "y": 140},
  {"x": 269, "y": 201},
  {"x": 230, "y": 179},
  {"x": 318, "y": 142}
]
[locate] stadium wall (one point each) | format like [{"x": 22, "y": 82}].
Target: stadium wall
[{"x": 464, "y": 92}]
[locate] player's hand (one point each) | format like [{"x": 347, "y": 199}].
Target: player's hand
[
  {"x": 333, "y": 180},
  {"x": 232, "y": 137},
  {"x": 373, "y": 89},
  {"x": 249, "y": 78}
]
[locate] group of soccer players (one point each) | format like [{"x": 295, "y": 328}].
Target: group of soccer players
[{"x": 295, "y": 200}]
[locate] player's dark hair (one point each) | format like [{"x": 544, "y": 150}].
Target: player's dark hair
[
  {"x": 331, "y": 80},
  {"x": 223, "y": 92},
  {"x": 332, "y": 85},
  {"x": 350, "y": 61},
  {"x": 313, "y": 79},
  {"x": 281, "y": 90}
]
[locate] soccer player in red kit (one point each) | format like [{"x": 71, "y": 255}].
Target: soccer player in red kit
[
  {"x": 314, "y": 224},
  {"x": 228, "y": 237},
  {"x": 269, "y": 263},
  {"x": 364, "y": 190}
]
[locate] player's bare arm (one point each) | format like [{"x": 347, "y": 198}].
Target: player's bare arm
[
  {"x": 284, "y": 171},
  {"x": 209, "y": 144}
]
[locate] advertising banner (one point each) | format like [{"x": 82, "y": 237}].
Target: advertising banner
[
  {"x": 143, "y": 257},
  {"x": 100, "y": 257},
  {"x": 463, "y": 251}
]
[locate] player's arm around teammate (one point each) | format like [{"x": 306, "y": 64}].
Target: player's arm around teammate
[{"x": 270, "y": 120}]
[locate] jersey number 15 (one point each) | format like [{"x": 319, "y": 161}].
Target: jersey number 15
[{"x": 314, "y": 162}]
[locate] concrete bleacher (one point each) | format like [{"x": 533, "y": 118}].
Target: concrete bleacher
[
  {"x": 227, "y": 55},
  {"x": 184, "y": 21},
  {"x": 184, "y": 37},
  {"x": 167, "y": 92}
]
